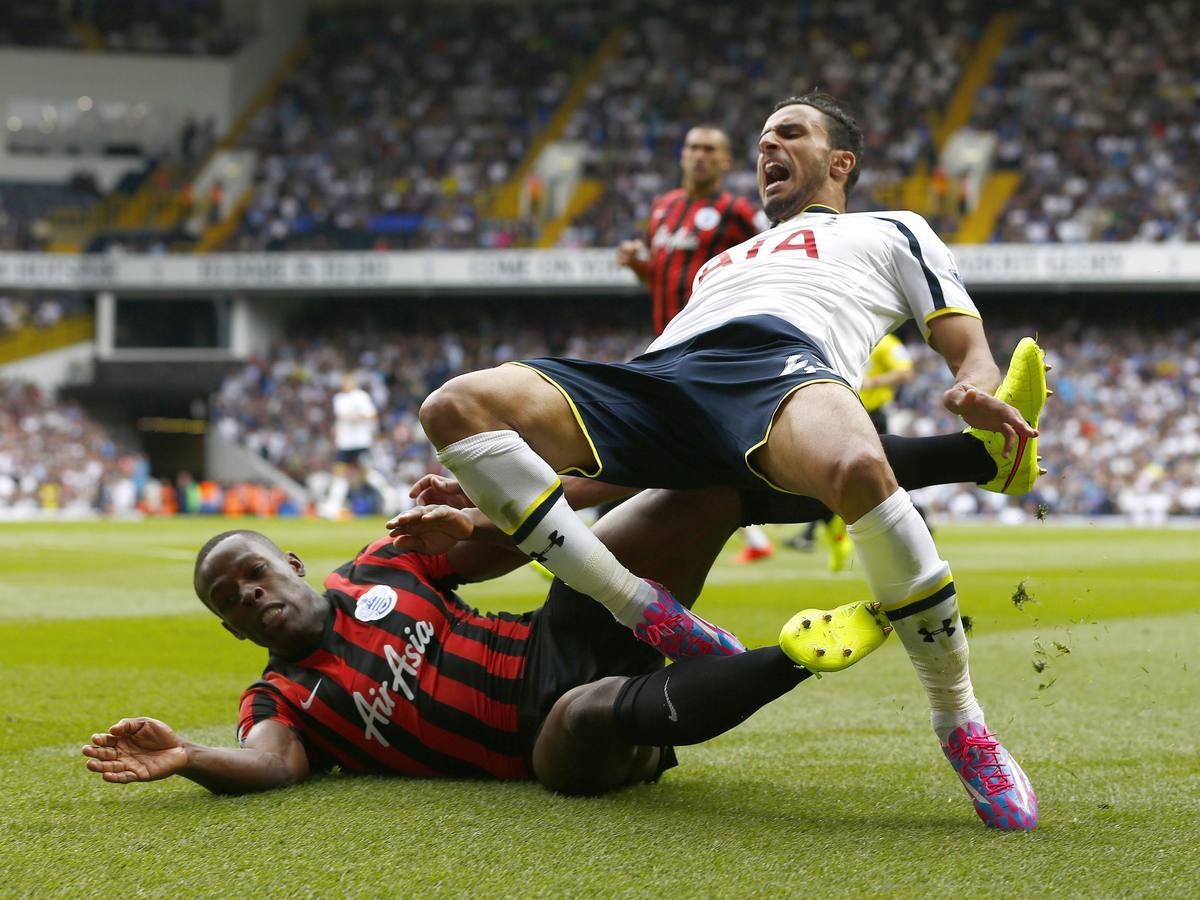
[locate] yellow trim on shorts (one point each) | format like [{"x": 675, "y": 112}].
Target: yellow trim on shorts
[
  {"x": 771, "y": 424},
  {"x": 947, "y": 311},
  {"x": 532, "y": 508},
  {"x": 578, "y": 420}
]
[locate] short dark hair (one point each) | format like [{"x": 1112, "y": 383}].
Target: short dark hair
[
  {"x": 712, "y": 126},
  {"x": 212, "y": 542},
  {"x": 844, "y": 131}
]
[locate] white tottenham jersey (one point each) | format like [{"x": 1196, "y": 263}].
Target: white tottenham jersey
[{"x": 844, "y": 280}]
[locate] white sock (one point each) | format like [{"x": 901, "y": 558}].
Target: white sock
[
  {"x": 756, "y": 538},
  {"x": 518, "y": 491},
  {"x": 915, "y": 586}
]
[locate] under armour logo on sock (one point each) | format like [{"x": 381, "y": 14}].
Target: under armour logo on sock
[
  {"x": 556, "y": 540},
  {"x": 946, "y": 629}
]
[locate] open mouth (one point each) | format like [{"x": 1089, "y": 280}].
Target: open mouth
[
  {"x": 271, "y": 615},
  {"x": 775, "y": 173}
]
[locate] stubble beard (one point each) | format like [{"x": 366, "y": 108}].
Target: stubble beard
[{"x": 781, "y": 208}]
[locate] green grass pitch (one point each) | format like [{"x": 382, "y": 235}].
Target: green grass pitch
[{"x": 836, "y": 790}]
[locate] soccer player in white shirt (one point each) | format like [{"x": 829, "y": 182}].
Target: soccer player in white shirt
[
  {"x": 355, "y": 420},
  {"x": 755, "y": 382}
]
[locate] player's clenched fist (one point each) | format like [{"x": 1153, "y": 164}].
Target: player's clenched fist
[{"x": 137, "y": 749}]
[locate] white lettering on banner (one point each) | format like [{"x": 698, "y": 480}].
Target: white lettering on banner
[
  {"x": 983, "y": 266},
  {"x": 375, "y": 708}
]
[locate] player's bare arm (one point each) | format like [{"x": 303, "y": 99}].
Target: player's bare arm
[
  {"x": 961, "y": 341},
  {"x": 476, "y": 549},
  {"x": 145, "y": 749}
]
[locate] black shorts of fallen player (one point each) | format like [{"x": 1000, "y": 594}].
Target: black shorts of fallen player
[{"x": 573, "y": 641}]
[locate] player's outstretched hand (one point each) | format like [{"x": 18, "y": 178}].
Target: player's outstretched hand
[
  {"x": 430, "y": 529},
  {"x": 138, "y": 749},
  {"x": 438, "y": 490},
  {"x": 982, "y": 410},
  {"x": 629, "y": 253}
]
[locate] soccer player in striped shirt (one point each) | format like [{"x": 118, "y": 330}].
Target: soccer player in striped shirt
[
  {"x": 388, "y": 671},
  {"x": 689, "y": 226}
]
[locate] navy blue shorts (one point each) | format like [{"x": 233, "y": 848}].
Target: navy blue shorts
[
  {"x": 688, "y": 416},
  {"x": 350, "y": 457}
]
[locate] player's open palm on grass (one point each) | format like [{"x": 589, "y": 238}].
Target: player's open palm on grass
[{"x": 139, "y": 749}]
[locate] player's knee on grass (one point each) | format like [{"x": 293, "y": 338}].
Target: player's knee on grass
[{"x": 578, "y": 750}]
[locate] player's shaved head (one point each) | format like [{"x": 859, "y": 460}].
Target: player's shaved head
[
  {"x": 708, "y": 133},
  {"x": 844, "y": 131},
  {"x": 259, "y": 592},
  {"x": 705, "y": 159},
  {"x": 212, "y": 543}
]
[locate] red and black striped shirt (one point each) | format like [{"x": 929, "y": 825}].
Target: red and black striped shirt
[
  {"x": 407, "y": 679},
  {"x": 685, "y": 233}
]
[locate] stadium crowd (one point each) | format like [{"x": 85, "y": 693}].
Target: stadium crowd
[
  {"x": 53, "y": 457},
  {"x": 195, "y": 27},
  {"x": 1095, "y": 104},
  {"x": 18, "y": 312},
  {"x": 684, "y": 63},
  {"x": 1122, "y": 434},
  {"x": 401, "y": 120},
  {"x": 402, "y": 124}
]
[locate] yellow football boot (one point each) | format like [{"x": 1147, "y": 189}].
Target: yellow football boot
[
  {"x": 1024, "y": 387},
  {"x": 835, "y": 639},
  {"x": 841, "y": 548}
]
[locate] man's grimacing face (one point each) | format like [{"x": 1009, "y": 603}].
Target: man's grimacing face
[{"x": 795, "y": 159}]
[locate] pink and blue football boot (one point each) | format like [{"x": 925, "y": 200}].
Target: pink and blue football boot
[
  {"x": 677, "y": 632},
  {"x": 1003, "y": 796}
]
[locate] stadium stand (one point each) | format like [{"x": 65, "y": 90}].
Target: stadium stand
[
  {"x": 53, "y": 457},
  {"x": 402, "y": 124},
  {"x": 400, "y": 120},
  {"x": 686, "y": 63},
  {"x": 195, "y": 27},
  {"x": 24, "y": 206},
  {"x": 1095, "y": 105}
]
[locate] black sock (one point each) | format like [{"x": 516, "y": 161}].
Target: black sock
[
  {"x": 702, "y": 696},
  {"x": 941, "y": 459},
  {"x": 917, "y": 462}
]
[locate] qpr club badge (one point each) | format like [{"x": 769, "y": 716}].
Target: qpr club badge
[
  {"x": 375, "y": 603},
  {"x": 706, "y": 219}
]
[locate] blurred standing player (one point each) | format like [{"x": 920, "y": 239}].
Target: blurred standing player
[
  {"x": 689, "y": 226},
  {"x": 889, "y": 367},
  {"x": 355, "y": 422}
]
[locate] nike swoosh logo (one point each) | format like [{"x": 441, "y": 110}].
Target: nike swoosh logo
[
  {"x": 671, "y": 714},
  {"x": 1021, "y": 442},
  {"x": 305, "y": 704}
]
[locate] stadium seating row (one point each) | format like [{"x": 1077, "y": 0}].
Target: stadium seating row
[{"x": 401, "y": 125}]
